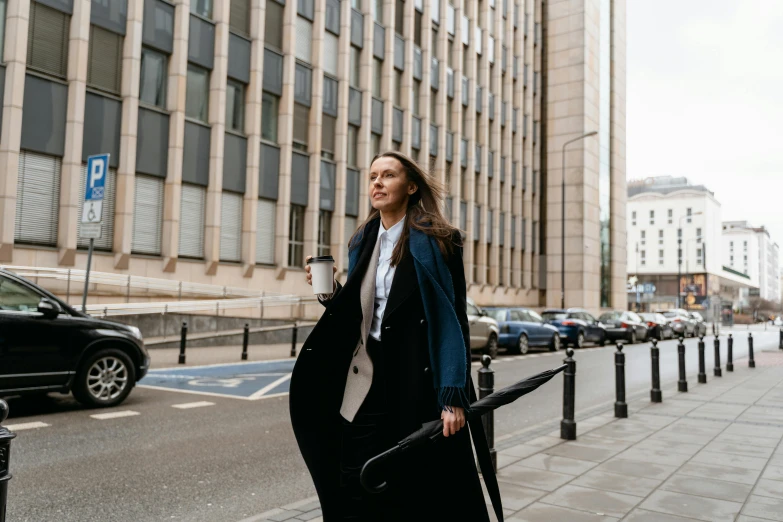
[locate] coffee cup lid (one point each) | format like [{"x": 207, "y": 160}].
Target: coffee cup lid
[{"x": 320, "y": 259}]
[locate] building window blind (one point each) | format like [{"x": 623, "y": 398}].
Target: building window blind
[
  {"x": 265, "y": 232},
  {"x": 301, "y": 124},
  {"x": 296, "y": 236},
  {"x": 154, "y": 68},
  {"x": 47, "y": 40},
  {"x": 328, "y": 136},
  {"x": 231, "y": 227},
  {"x": 324, "y": 233},
  {"x": 191, "y": 222},
  {"x": 239, "y": 17},
  {"x": 273, "y": 24},
  {"x": 37, "y": 199},
  {"x": 330, "y": 53},
  {"x": 201, "y": 8},
  {"x": 304, "y": 40},
  {"x": 104, "y": 71},
  {"x": 147, "y": 215},
  {"x": 106, "y": 240}
]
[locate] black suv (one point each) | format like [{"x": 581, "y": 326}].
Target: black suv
[{"x": 45, "y": 345}]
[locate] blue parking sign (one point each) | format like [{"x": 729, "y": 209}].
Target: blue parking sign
[{"x": 95, "y": 186}]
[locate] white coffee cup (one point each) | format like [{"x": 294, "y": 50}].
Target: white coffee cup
[{"x": 322, "y": 272}]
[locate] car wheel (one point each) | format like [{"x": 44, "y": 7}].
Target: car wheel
[
  {"x": 632, "y": 338},
  {"x": 104, "y": 379},
  {"x": 580, "y": 340},
  {"x": 555, "y": 344},
  {"x": 492, "y": 346},
  {"x": 523, "y": 344}
]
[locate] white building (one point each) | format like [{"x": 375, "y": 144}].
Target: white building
[
  {"x": 750, "y": 250},
  {"x": 666, "y": 214}
]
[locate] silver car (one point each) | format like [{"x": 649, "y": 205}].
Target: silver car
[{"x": 484, "y": 330}]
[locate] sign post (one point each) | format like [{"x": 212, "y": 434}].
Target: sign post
[{"x": 92, "y": 209}]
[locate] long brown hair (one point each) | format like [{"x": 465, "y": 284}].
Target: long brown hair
[{"x": 424, "y": 209}]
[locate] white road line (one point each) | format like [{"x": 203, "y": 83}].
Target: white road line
[
  {"x": 26, "y": 426},
  {"x": 218, "y": 365},
  {"x": 270, "y": 386},
  {"x": 195, "y": 392},
  {"x": 189, "y": 405},
  {"x": 115, "y": 415}
]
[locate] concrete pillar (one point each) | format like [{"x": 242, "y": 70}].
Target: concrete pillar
[{"x": 15, "y": 49}]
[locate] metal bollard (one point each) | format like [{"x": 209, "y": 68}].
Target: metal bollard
[
  {"x": 780, "y": 345},
  {"x": 568, "y": 425},
  {"x": 682, "y": 383},
  {"x": 702, "y": 365},
  {"x": 730, "y": 355},
  {"x": 5, "y": 459},
  {"x": 718, "y": 372},
  {"x": 655, "y": 392},
  {"x": 183, "y": 341},
  {"x": 245, "y": 336},
  {"x": 620, "y": 407},
  {"x": 486, "y": 382},
  {"x": 293, "y": 340},
  {"x": 751, "y": 360}
]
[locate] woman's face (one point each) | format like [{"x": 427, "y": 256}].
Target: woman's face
[{"x": 390, "y": 188}]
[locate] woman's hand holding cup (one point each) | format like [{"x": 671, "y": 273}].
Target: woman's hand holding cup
[{"x": 318, "y": 274}]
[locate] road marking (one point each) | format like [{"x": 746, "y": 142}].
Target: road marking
[
  {"x": 194, "y": 392},
  {"x": 115, "y": 415},
  {"x": 271, "y": 386},
  {"x": 189, "y": 405},
  {"x": 218, "y": 365},
  {"x": 26, "y": 426}
]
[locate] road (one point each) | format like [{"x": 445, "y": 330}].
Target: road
[{"x": 223, "y": 458}]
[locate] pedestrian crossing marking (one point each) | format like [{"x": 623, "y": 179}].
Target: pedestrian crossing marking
[
  {"x": 115, "y": 415},
  {"x": 189, "y": 405},
  {"x": 26, "y": 426}
]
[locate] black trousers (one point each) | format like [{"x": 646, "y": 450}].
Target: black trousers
[{"x": 363, "y": 438}]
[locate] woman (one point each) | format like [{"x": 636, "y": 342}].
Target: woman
[{"x": 390, "y": 352}]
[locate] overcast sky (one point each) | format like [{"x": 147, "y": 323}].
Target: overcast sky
[{"x": 705, "y": 100}]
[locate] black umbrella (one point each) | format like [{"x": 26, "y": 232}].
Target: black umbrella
[{"x": 433, "y": 430}]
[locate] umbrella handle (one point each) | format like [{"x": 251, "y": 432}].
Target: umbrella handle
[{"x": 367, "y": 468}]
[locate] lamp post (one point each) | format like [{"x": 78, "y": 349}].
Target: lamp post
[
  {"x": 562, "y": 218},
  {"x": 679, "y": 256}
]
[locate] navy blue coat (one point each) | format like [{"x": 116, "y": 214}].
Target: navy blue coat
[{"x": 440, "y": 479}]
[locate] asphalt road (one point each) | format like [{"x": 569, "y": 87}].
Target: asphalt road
[{"x": 235, "y": 458}]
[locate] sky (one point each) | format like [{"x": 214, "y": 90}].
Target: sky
[{"x": 705, "y": 100}]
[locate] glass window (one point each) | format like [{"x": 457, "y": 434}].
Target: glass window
[
  {"x": 269, "y": 107},
  {"x": 415, "y": 97},
  {"x": 499, "y": 315},
  {"x": 296, "y": 236},
  {"x": 16, "y": 297},
  {"x": 434, "y": 43},
  {"x": 154, "y": 67},
  {"x": 399, "y": 17},
  {"x": 397, "y": 88},
  {"x": 47, "y": 40},
  {"x": 197, "y": 97},
  {"x": 324, "y": 233},
  {"x": 472, "y": 310},
  {"x": 652, "y": 217},
  {"x": 353, "y": 145},
  {"x": 355, "y": 67},
  {"x": 356, "y": 4},
  {"x": 2, "y": 28},
  {"x": 104, "y": 70},
  {"x": 433, "y": 106},
  {"x": 273, "y": 24},
  {"x": 689, "y": 213},
  {"x": 633, "y": 218},
  {"x": 534, "y": 316},
  {"x": 671, "y": 214},
  {"x": 201, "y": 8},
  {"x": 698, "y": 235},
  {"x": 235, "y": 106},
  {"x": 301, "y": 126},
  {"x": 375, "y": 144},
  {"x": 328, "y": 136},
  {"x": 377, "y": 77},
  {"x": 377, "y": 11},
  {"x": 417, "y": 27},
  {"x": 239, "y": 16}
]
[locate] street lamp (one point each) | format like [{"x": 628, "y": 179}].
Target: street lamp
[
  {"x": 562, "y": 219},
  {"x": 679, "y": 255}
]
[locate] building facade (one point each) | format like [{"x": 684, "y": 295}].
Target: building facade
[
  {"x": 675, "y": 248},
  {"x": 750, "y": 250},
  {"x": 241, "y": 132}
]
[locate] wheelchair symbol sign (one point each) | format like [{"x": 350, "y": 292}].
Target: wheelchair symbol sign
[{"x": 95, "y": 189}]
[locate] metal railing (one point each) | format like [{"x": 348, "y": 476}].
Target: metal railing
[{"x": 208, "y": 306}]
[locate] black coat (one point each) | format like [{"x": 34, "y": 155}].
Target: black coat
[{"x": 440, "y": 480}]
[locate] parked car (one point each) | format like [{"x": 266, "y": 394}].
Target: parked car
[
  {"x": 521, "y": 329},
  {"x": 658, "y": 325},
  {"x": 624, "y": 326},
  {"x": 701, "y": 324},
  {"x": 680, "y": 322},
  {"x": 576, "y": 326},
  {"x": 484, "y": 331},
  {"x": 778, "y": 321},
  {"x": 45, "y": 346}
]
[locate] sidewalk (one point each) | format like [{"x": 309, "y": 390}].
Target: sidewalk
[{"x": 713, "y": 454}]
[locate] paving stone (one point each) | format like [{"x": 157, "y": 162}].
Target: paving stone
[
  {"x": 505, "y": 460},
  {"x": 545, "y": 441},
  {"x": 601, "y": 442},
  {"x": 720, "y": 472},
  {"x": 577, "y": 451},
  {"x": 286, "y": 514},
  {"x": 687, "y": 438},
  {"x": 654, "y": 455},
  {"x": 521, "y": 450},
  {"x": 734, "y": 438},
  {"x": 310, "y": 515},
  {"x": 769, "y": 488},
  {"x": 516, "y": 497},
  {"x": 539, "y": 512},
  {"x": 709, "y": 509},
  {"x": 725, "y": 459},
  {"x": 557, "y": 464},
  {"x": 764, "y": 507},
  {"x": 773, "y": 473},
  {"x": 533, "y": 478},
  {"x": 754, "y": 430},
  {"x": 685, "y": 448},
  {"x": 749, "y": 450},
  {"x": 592, "y": 500},
  {"x": 642, "y": 515},
  {"x": 707, "y": 487},
  {"x": 631, "y": 434},
  {"x": 636, "y": 468},
  {"x": 745, "y": 518},
  {"x": 315, "y": 504},
  {"x": 617, "y": 483}
]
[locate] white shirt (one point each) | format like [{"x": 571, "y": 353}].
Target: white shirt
[{"x": 384, "y": 275}]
